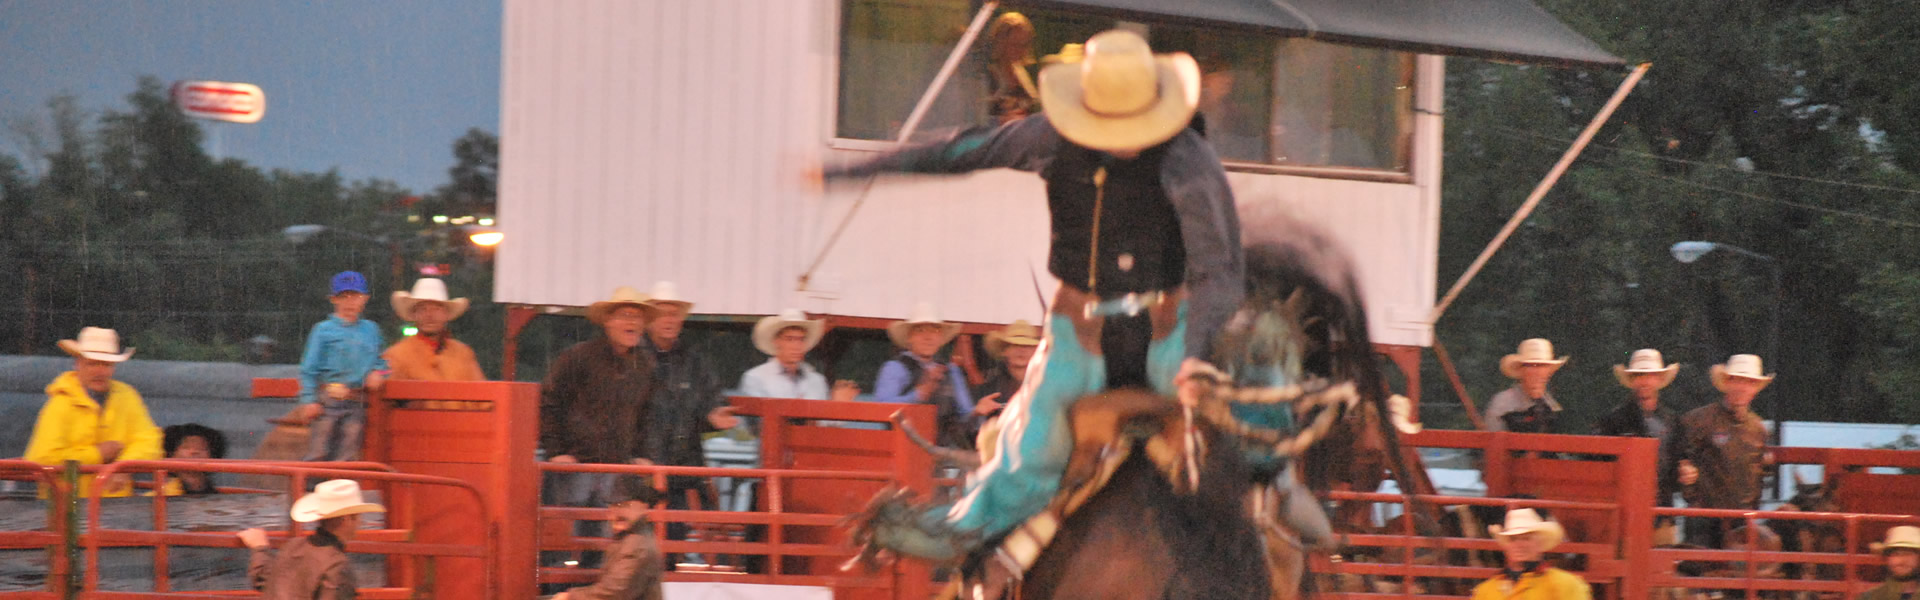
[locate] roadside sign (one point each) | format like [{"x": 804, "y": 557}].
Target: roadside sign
[{"x": 220, "y": 100}]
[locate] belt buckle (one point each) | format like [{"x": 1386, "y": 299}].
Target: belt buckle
[{"x": 1131, "y": 304}]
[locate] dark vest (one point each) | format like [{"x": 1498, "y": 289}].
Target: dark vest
[
  {"x": 1138, "y": 245},
  {"x": 951, "y": 427}
]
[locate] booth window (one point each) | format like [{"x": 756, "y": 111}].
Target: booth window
[{"x": 1266, "y": 101}]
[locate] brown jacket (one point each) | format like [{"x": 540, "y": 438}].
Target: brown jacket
[
  {"x": 313, "y": 567},
  {"x": 1729, "y": 450},
  {"x": 634, "y": 565},
  {"x": 1885, "y": 591},
  {"x": 415, "y": 358},
  {"x": 594, "y": 403}
]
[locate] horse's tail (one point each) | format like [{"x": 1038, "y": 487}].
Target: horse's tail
[{"x": 953, "y": 456}]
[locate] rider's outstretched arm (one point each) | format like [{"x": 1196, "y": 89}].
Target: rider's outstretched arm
[{"x": 1026, "y": 145}]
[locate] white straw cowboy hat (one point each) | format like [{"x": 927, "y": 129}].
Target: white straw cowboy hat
[
  {"x": 1744, "y": 366},
  {"x": 923, "y": 314},
  {"x": 98, "y": 344},
  {"x": 1017, "y": 333},
  {"x": 1527, "y": 520},
  {"x": 665, "y": 292},
  {"x": 335, "y": 498},
  {"x": 1536, "y": 351},
  {"x": 428, "y": 289},
  {"x": 1902, "y": 537},
  {"x": 622, "y": 296},
  {"x": 1646, "y": 360},
  {"x": 772, "y": 325},
  {"x": 1120, "y": 96}
]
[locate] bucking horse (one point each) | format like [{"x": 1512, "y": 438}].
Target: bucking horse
[{"x": 1165, "y": 500}]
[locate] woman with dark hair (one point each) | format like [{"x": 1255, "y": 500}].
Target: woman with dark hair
[{"x": 192, "y": 441}]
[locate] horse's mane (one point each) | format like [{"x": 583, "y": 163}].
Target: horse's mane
[{"x": 1286, "y": 256}]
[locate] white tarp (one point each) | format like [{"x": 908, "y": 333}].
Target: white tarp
[
  {"x": 644, "y": 142},
  {"x": 707, "y": 590}
]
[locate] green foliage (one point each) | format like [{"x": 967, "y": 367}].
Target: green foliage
[
  {"x": 121, "y": 220},
  {"x": 1756, "y": 127}
]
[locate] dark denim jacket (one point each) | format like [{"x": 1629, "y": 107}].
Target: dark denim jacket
[{"x": 1190, "y": 174}]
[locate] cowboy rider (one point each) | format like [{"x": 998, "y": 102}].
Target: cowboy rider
[{"x": 1146, "y": 245}]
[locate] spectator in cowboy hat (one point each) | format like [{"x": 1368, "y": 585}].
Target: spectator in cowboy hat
[
  {"x": 314, "y": 566},
  {"x": 1642, "y": 415},
  {"x": 89, "y": 417},
  {"x": 1525, "y": 538},
  {"x": 1722, "y": 448},
  {"x": 192, "y": 441},
  {"x": 917, "y": 376},
  {"x": 339, "y": 367},
  {"x": 634, "y": 564},
  {"x": 786, "y": 338},
  {"x": 594, "y": 400},
  {"x": 1013, "y": 346},
  {"x": 687, "y": 402},
  {"x": 1901, "y": 551},
  {"x": 1526, "y": 407},
  {"x": 431, "y": 354}
]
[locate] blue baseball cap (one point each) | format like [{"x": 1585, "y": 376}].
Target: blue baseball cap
[{"x": 348, "y": 281}]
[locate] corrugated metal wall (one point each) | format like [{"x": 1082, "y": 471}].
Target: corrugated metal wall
[
  {"x": 664, "y": 140},
  {"x": 644, "y": 141}
]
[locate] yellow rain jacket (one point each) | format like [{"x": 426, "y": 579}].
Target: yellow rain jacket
[
  {"x": 1545, "y": 584},
  {"x": 71, "y": 424}
]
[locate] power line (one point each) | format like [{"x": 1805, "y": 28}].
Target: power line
[
  {"x": 1753, "y": 196},
  {"x": 1868, "y": 186},
  {"x": 1833, "y": 211}
]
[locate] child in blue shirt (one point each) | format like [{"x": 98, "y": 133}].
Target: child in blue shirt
[{"x": 341, "y": 364}]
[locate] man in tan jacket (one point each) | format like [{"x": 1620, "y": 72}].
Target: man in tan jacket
[{"x": 432, "y": 354}]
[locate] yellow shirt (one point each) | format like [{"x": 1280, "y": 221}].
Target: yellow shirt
[
  {"x": 1550, "y": 584},
  {"x": 71, "y": 425}
]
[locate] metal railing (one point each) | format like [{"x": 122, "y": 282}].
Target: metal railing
[
  {"x": 57, "y": 540},
  {"x": 1603, "y": 564},
  {"x": 393, "y": 540},
  {"x": 774, "y": 517},
  {"x": 1750, "y": 558}
]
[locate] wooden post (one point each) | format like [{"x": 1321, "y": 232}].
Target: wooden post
[
  {"x": 517, "y": 319},
  {"x": 1540, "y": 191},
  {"x": 1638, "y": 468},
  {"x": 1453, "y": 376}
]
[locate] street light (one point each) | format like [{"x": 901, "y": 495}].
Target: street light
[
  {"x": 486, "y": 238},
  {"x": 1687, "y": 252}
]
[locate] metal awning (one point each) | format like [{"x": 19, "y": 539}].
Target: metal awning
[{"x": 1509, "y": 30}]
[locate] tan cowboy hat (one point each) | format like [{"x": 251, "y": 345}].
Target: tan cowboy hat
[
  {"x": 1017, "y": 333},
  {"x": 1744, "y": 366},
  {"x": 98, "y": 344},
  {"x": 1120, "y": 96},
  {"x": 1646, "y": 360},
  {"x": 334, "y": 498},
  {"x": 665, "y": 292},
  {"x": 1904, "y": 536},
  {"x": 923, "y": 314},
  {"x": 1527, "y": 520},
  {"x": 1536, "y": 351},
  {"x": 772, "y": 325},
  {"x": 427, "y": 289},
  {"x": 622, "y": 296}
]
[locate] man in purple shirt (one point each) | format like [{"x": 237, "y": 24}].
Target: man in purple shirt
[{"x": 915, "y": 376}]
